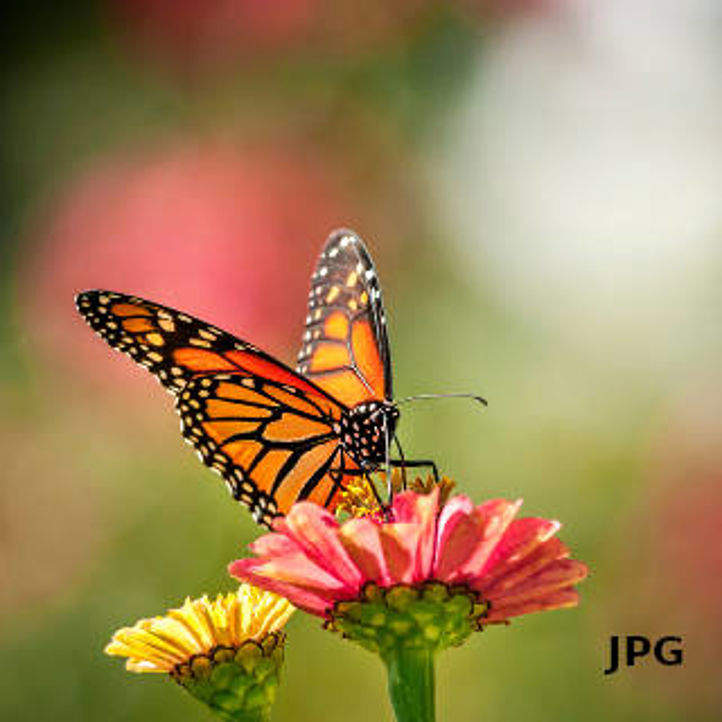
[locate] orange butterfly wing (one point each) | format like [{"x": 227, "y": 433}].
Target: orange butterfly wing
[
  {"x": 345, "y": 348},
  {"x": 274, "y": 443},
  {"x": 174, "y": 346},
  {"x": 272, "y": 434}
]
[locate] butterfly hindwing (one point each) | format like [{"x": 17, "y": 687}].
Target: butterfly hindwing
[
  {"x": 274, "y": 444},
  {"x": 345, "y": 348}
]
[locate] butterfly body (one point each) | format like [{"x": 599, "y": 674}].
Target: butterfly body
[
  {"x": 275, "y": 435},
  {"x": 365, "y": 431}
]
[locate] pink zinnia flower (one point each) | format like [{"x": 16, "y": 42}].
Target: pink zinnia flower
[
  {"x": 506, "y": 566},
  {"x": 416, "y": 580}
]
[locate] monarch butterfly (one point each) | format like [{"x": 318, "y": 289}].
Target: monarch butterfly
[{"x": 275, "y": 435}]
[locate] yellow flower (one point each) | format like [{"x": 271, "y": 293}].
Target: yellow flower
[
  {"x": 199, "y": 627},
  {"x": 227, "y": 653}
]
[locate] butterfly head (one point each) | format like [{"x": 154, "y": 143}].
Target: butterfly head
[{"x": 366, "y": 430}]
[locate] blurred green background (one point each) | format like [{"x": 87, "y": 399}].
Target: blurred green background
[{"x": 539, "y": 185}]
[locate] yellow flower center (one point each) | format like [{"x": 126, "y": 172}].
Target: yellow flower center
[{"x": 359, "y": 498}]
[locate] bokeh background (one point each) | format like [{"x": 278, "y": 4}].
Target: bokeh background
[{"x": 539, "y": 183}]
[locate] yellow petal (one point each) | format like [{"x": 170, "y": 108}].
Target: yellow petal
[{"x": 162, "y": 643}]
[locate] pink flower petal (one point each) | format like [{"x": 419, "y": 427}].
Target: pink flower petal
[
  {"x": 452, "y": 513},
  {"x": 460, "y": 540},
  {"x": 515, "y": 572},
  {"x": 273, "y": 544},
  {"x": 557, "y": 575},
  {"x": 361, "y": 539},
  {"x": 493, "y": 519},
  {"x": 398, "y": 542},
  {"x": 315, "y": 530},
  {"x": 412, "y": 508},
  {"x": 295, "y": 569},
  {"x": 302, "y": 598},
  {"x": 520, "y": 538},
  {"x": 419, "y": 510},
  {"x": 555, "y": 600}
]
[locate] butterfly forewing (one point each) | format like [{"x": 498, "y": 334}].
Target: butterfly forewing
[
  {"x": 345, "y": 347},
  {"x": 174, "y": 346}
]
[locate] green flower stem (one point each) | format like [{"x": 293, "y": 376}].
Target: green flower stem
[
  {"x": 406, "y": 625},
  {"x": 411, "y": 683}
]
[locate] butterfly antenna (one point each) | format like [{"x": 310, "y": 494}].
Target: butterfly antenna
[{"x": 423, "y": 397}]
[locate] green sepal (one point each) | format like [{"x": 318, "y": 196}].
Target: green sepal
[
  {"x": 237, "y": 684},
  {"x": 430, "y": 616},
  {"x": 407, "y": 625}
]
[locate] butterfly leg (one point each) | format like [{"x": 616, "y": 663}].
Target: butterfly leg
[
  {"x": 403, "y": 460},
  {"x": 403, "y": 463},
  {"x": 416, "y": 463},
  {"x": 387, "y": 445}
]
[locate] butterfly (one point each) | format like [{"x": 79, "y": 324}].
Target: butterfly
[{"x": 275, "y": 435}]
